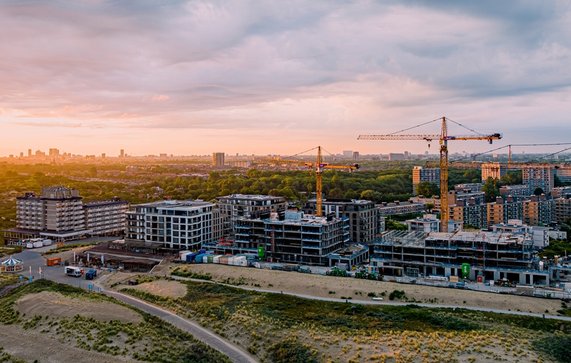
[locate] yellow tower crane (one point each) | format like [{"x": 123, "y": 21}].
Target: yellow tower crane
[
  {"x": 443, "y": 139},
  {"x": 319, "y": 167}
]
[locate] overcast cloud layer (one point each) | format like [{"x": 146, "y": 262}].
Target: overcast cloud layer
[{"x": 278, "y": 76}]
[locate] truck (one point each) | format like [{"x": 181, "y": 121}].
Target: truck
[
  {"x": 91, "y": 274},
  {"x": 73, "y": 271},
  {"x": 53, "y": 261}
]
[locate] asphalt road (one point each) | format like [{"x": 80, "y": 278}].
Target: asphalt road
[{"x": 33, "y": 261}]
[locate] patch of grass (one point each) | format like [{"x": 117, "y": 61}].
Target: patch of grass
[
  {"x": 557, "y": 347},
  {"x": 292, "y": 351},
  {"x": 8, "y": 358},
  {"x": 182, "y": 272}
]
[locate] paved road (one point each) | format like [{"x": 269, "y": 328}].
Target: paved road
[
  {"x": 394, "y": 303},
  {"x": 34, "y": 260}
]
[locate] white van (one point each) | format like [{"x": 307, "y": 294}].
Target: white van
[{"x": 73, "y": 271}]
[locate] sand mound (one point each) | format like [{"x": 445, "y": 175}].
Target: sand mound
[
  {"x": 57, "y": 305},
  {"x": 163, "y": 288}
]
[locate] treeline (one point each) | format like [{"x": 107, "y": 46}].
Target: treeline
[{"x": 107, "y": 181}]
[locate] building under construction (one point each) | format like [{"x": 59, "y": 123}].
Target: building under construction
[
  {"x": 293, "y": 237},
  {"x": 493, "y": 256}
]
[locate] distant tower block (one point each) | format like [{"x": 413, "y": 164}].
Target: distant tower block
[
  {"x": 122, "y": 153},
  {"x": 218, "y": 160},
  {"x": 492, "y": 170}
]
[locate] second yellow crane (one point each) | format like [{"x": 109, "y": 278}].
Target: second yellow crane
[{"x": 443, "y": 139}]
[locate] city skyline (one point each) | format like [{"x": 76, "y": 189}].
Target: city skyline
[{"x": 190, "y": 78}]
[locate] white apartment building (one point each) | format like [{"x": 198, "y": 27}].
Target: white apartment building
[{"x": 178, "y": 225}]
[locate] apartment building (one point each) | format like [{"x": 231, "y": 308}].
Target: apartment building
[
  {"x": 516, "y": 191},
  {"x": 538, "y": 176},
  {"x": 293, "y": 236},
  {"x": 365, "y": 221},
  {"x": 492, "y": 170},
  {"x": 172, "y": 224},
  {"x": 397, "y": 207},
  {"x": 420, "y": 174},
  {"x": 470, "y": 213},
  {"x": 106, "y": 217},
  {"x": 235, "y": 206},
  {"x": 538, "y": 210},
  {"x": 56, "y": 213},
  {"x": 503, "y": 210},
  {"x": 562, "y": 210},
  {"x": 218, "y": 160}
]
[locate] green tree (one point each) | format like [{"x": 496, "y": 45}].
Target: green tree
[
  {"x": 491, "y": 189},
  {"x": 427, "y": 189}
]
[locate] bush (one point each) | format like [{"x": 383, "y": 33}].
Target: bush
[
  {"x": 291, "y": 351},
  {"x": 397, "y": 295},
  {"x": 557, "y": 347}
]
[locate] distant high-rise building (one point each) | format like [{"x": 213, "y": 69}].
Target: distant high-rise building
[
  {"x": 103, "y": 155},
  {"x": 53, "y": 152},
  {"x": 396, "y": 156},
  {"x": 21, "y": 154},
  {"x": 122, "y": 153},
  {"x": 420, "y": 174},
  {"x": 538, "y": 176},
  {"x": 218, "y": 160},
  {"x": 355, "y": 155},
  {"x": 347, "y": 154},
  {"x": 492, "y": 170},
  {"x": 29, "y": 153}
]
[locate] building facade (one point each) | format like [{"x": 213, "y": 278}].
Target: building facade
[
  {"x": 177, "y": 225},
  {"x": 365, "y": 221},
  {"x": 294, "y": 237},
  {"x": 493, "y": 256},
  {"x": 420, "y": 174},
  {"x": 492, "y": 170},
  {"x": 236, "y": 206},
  {"x": 106, "y": 217},
  {"x": 218, "y": 160},
  {"x": 538, "y": 176},
  {"x": 56, "y": 213}
]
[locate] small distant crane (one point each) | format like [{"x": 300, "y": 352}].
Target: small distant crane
[
  {"x": 319, "y": 167},
  {"x": 443, "y": 139}
]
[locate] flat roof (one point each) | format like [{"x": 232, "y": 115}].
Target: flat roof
[{"x": 177, "y": 204}]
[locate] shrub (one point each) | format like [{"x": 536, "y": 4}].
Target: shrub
[{"x": 397, "y": 295}]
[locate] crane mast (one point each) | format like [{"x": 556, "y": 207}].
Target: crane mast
[
  {"x": 319, "y": 167},
  {"x": 443, "y": 139}
]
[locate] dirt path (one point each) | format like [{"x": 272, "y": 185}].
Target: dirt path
[
  {"x": 327, "y": 286},
  {"x": 30, "y": 346}
]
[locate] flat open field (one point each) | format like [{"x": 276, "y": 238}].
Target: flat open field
[{"x": 358, "y": 289}]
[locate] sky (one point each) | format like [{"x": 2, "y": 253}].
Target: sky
[{"x": 279, "y": 77}]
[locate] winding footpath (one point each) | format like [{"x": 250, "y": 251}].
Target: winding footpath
[{"x": 204, "y": 335}]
